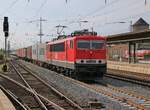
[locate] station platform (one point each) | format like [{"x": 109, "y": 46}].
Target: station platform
[
  {"x": 5, "y": 103},
  {"x": 125, "y": 66}
]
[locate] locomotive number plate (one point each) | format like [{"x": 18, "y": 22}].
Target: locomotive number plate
[{"x": 91, "y": 61}]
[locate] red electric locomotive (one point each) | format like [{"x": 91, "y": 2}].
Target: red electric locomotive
[{"x": 83, "y": 54}]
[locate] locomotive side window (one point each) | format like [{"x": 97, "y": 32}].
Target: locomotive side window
[
  {"x": 34, "y": 51},
  {"x": 83, "y": 44},
  {"x": 47, "y": 47},
  {"x": 60, "y": 47},
  {"x": 71, "y": 44},
  {"x": 42, "y": 51}
]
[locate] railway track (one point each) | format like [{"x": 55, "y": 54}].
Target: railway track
[
  {"x": 125, "y": 97},
  {"x": 33, "y": 92},
  {"x": 128, "y": 78},
  {"x": 13, "y": 98}
]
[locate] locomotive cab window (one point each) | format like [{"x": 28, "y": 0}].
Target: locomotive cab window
[
  {"x": 83, "y": 44},
  {"x": 97, "y": 44},
  {"x": 90, "y": 44}
]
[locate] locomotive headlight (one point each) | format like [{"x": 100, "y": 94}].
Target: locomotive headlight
[
  {"x": 99, "y": 61},
  {"x": 82, "y": 61}
]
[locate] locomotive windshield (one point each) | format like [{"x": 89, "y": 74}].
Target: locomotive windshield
[
  {"x": 90, "y": 44},
  {"x": 97, "y": 44},
  {"x": 83, "y": 44}
]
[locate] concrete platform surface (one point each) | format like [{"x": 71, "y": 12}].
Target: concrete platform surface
[
  {"x": 5, "y": 103},
  {"x": 124, "y": 66}
]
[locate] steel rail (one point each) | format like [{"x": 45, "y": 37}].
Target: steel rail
[
  {"x": 121, "y": 99},
  {"x": 118, "y": 97},
  {"x": 55, "y": 106},
  {"x": 130, "y": 96},
  {"x": 52, "y": 88},
  {"x": 26, "y": 83},
  {"x": 109, "y": 94},
  {"x": 128, "y": 79},
  {"x": 15, "y": 100},
  {"x": 26, "y": 106},
  {"x": 130, "y": 93}
]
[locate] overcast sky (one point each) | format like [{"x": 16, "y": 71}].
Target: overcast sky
[{"x": 104, "y": 18}]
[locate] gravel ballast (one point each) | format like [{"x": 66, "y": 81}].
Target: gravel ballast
[{"x": 74, "y": 91}]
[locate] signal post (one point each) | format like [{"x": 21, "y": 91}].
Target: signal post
[{"x": 6, "y": 34}]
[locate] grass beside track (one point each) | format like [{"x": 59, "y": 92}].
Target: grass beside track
[{"x": 1, "y": 65}]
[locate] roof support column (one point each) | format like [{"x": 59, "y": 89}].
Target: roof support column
[
  {"x": 129, "y": 47},
  {"x": 134, "y": 52}
]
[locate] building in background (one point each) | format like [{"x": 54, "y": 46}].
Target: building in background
[
  {"x": 140, "y": 25},
  {"x": 129, "y": 47}
]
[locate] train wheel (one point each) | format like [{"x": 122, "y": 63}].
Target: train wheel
[
  {"x": 66, "y": 73},
  {"x": 70, "y": 73},
  {"x": 74, "y": 75}
]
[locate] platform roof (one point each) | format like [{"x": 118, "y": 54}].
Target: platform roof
[{"x": 140, "y": 36}]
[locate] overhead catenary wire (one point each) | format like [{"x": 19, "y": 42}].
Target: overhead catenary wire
[
  {"x": 135, "y": 15},
  {"x": 115, "y": 1},
  {"x": 124, "y": 7},
  {"x": 42, "y": 5},
  {"x": 120, "y": 29},
  {"x": 110, "y": 13},
  {"x": 117, "y": 9},
  {"x": 129, "y": 17},
  {"x": 98, "y": 11},
  {"x": 102, "y": 7},
  {"x": 9, "y": 7},
  {"x": 40, "y": 8},
  {"x": 102, "y": 10}
]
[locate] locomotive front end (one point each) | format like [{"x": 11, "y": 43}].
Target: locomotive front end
[{"x": 90, "y": 56}]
